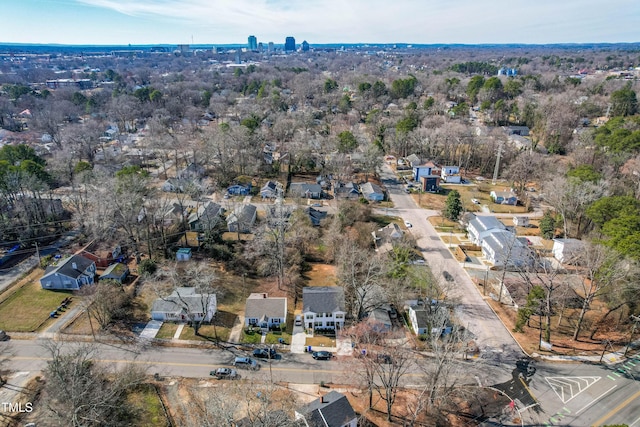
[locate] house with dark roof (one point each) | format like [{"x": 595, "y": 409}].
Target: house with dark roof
[
  {"x": 567, "y": 250},
  {"x": 184, "y": 305},
  {"x": 193, "y": 171},
  {"x": 242, "y": 218},
  {"x": 323, "y": 307},
  {"x": 239, "y": 190},
  {"x": 69, "y": 274},
  {"x": 331, "y": 410},
  {"x": 204, "y": 217},
  {"x": 428, "y": 318},
  {"x": 346, "y": 190},
  {"x": 316, "y": 216},
  {"x": 265, "y": 312},
  {"x": 271, "y": 190}
]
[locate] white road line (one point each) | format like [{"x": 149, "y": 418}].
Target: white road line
[
  {"x": 634, "y": 423},
  {"x": 596, "y": 399}
]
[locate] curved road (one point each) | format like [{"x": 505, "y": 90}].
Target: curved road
[{"x": 473, "y": 311}]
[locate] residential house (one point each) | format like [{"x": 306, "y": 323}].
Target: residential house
[
  {"x": 429, "y": 169},
  {"x": 384, "y": 237},
  {"x": 242, "y": 218},
  {"x": 567, "y": 250},
  {"x": 379, "y": 320},
  {"x": 184, "y": 305},
  {"x": 331, "y": 410},
  {"x": 451, "y": 174},
  {"x": 102, "y": 255},
  {"x": 346, "y": 190},
  {"x": 205, "y": 217},
  {"x": 372, "y": 192},
  {"x": 305, "y": 190},
  {"x": 480, "y": 226},
  {"x": 428, "y": 318},
  {"x": 503, "y": 249},
  {"x": 413, "y": 160},
  {"x": 271, "y": 190},
  {"x": 521, "y": 221},
  {"x": 265, "y": 312},
  {"x": 430, "y": 183},
  {"x": 69, "y": 274},
  {"x": 504, "y": 197},
  {"x": 517, "y": 130},
  {"x": 316, "y": 216},
  {"x": 239, "y": 190},
  {"x": 193, "y": 171},
  {"x": 323, "y": 307},
  {"x": 175, "y": 185},
  {"x": 183, "y": 254},
  {"x": 117, "y": 272}
]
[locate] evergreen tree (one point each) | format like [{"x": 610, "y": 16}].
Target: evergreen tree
[{"x": 453, "y": 206}]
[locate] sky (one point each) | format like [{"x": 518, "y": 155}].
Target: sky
[{"x": 122, "y": 22}]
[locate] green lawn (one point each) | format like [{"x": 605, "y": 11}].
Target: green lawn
[
  {"x": 253, "y": 338},
  {"x": 29, "y": 307},
  {"x": 272, "y": 338},
  {"x": 149, "y": 408},
  {"x": 167, "y": 331}
]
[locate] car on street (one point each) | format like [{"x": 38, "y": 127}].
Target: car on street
[
  {"x": 475, "y": 201},
  {"x": 3, "y": 336},
  {"x": 246, "y": 363},
  {"x": 265, "y": 353},
  {"x": 298, "y": 321},
  {"x": 408, "y": 224},
  {"x": 447, "y": 276},
  {"x": 224, "y": 374},
  {"x": 322, "y": 355}
]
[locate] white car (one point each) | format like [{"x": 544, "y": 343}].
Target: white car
[
  {"x": 408, "y": 224},
  {"x": 475, "y": 201}
]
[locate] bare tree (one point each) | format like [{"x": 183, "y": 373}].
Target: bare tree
[
  {"x": 80, "y": 392},
  {"x": 106, "y": 301}
]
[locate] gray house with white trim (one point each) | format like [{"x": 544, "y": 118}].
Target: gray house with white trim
[{"x": 265, "y": 312}]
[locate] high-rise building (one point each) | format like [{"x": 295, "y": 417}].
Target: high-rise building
[
  {"x": 270, "y": 47},
  {"x": 253, "y": 43},
  {"x": 290, "y": 44},
  {"x": 305, "y": 46}
]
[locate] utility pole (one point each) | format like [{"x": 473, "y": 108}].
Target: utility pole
[
  {"x": 497, "y": 167},
  {"x": 38, "y": 254}
]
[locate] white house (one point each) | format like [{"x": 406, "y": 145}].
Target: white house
[
  {"x": 69, "y": 274},
  {"x": 504, "y": 197},
  {"x": 521, "y": 221},
  {"x": 428, "y": 318},
  {"x": 567, "y": 250},
  {"x": 265, "y": 312},
  {"x": 331, "y": 410},
  {"x": 451, "y": 174},
  {"x": 480, "y": 225},
  {"x": 428, "y": 169},
  {"x": 504, "y": 249},
  {"x": 323, "y": 307},
  {"x": 184, "y": 305}
]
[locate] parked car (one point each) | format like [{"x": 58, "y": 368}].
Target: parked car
[
  {"x": 3, "y": 336},
  {"x": 322, "y": 355},
  {"x": 408, "y": 224},
  {"x": 447, "y": 276},
  {"x": 265, "y": 353},
  {"x": 224, "y": 374},
  {"x": 475, "y": 201},
  {"x": 246, "y": 363},
  {"x": 298, "y": 321}
]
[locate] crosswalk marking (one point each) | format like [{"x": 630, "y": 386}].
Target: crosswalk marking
[{"x": 566, "y": 388}]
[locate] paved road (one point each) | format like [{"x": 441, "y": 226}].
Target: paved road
[{"x": 474, "y": 313}]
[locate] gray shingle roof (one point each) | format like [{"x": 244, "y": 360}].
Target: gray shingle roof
[
  {"x": 331, "y": 410},
  {"x": 322, "y": 299},
  {"x": 183, "y": 298},
  {"x": 66, "y": 267},
  {"x": 258, "y": 305}
]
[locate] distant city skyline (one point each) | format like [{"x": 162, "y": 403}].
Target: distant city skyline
[{"x": 121, "y": 22}]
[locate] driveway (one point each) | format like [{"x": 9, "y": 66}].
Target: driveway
[
  {"x": 298, "y": 340},
  {"x": 473, "y": 311}
]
